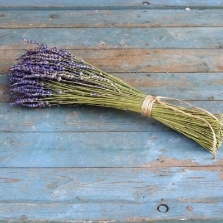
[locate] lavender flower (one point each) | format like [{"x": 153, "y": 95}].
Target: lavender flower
[
  {"x": 47, "y": 76},
  {"x": 37, "y": 69}
]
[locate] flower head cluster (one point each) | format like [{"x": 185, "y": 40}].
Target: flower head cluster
[{"x": 37, "y": 67}]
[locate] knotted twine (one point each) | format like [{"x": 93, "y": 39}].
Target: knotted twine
[{"x": 149, "y": 101}]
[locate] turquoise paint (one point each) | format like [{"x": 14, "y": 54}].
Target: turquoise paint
[
  {"x": 109, "y": 4},
  {"x": 95, "y": 193},
  {"x": 156, "y": 38},
  {"x": 87, "y": 164},
  {"x": 108, "y": 18}
]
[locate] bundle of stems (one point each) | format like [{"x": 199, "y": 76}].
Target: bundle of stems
[{"x": 47, "y": 76}]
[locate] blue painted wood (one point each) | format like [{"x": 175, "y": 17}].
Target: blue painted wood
[
  {"x": 93, "y": 38},
  {"x": 101, "y": 149},
  {"x": 84, "y": 164},
  {"x": 108, "y": 18},
  {"x": 114, "y": 4},
  {"x": 136, "y": 60},
  {"x": 83, "y": 118},
  {"x": 75, "y": 119},
  {"x": 123, "y": 195}
]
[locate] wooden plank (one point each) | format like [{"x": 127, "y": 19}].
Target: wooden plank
[
  {"x": 86, "y": 149},
  {"x": 163, "y": 167},
  {"x": 111, "y": 18},
  {"x": 111, "y": 4},
  {"x": 137, "y": 60},
  {"x": 77, "y": 119},
  {"x": 61, "y": 212},
  {"x": 114, "y": 38},
  {"x": 186, "y": 86},
  {"x": 95, "y": 194},
  {"x": 83, "y": 118}
]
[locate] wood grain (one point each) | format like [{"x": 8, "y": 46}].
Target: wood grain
[
  {"x": 79, "y": 137},
  {"x": 83, "y": 118},
  {"x": 115, "y": 38},
  {"x": 90, "y": 164},
  {"x": 95, "y": 194},
  {"x": 111, "y": 18},
  {"x": 101, "y": 149},
  {"x": 138, "y": 60},
  {"x": 111, "y": 4}
]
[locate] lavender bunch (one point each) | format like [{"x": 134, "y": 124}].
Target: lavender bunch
[
  {"x": 47, "y": 76},
  {"x": 39, "y": 68}
]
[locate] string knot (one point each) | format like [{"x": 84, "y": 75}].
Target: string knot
[{"x": 147, "y": 105}]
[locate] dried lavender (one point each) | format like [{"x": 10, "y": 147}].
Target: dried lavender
[
  {"x": 47, "y": 76},
  {"x": 37, "y": 69}
]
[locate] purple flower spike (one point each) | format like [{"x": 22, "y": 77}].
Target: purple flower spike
[{"x": 40, "y": 67}]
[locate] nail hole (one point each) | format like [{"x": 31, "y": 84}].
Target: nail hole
[
  {"x": 189, "y": 208},
  {"x": 53, "y": 16},
  {"x": 163, "y": 208},
  {"x": 145, "y": 3}
]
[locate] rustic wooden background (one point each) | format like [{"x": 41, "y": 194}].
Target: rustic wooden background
[{"x": 78, "y": 164}]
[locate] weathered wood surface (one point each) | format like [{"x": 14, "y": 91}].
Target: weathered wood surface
[
  {"x": 98, "y": 194},
  {"x": 111, "y": 4},
  {"x": 89, "y": 164},
  {"x": 108, "y": 19},
  {"x": 107, "y": 38},
  {"x": 139, "y": 60},
  {"x": 46, "y": 148},
  {"x": 83, "y": 118}
]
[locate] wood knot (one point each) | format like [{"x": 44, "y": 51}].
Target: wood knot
[{"x": 53, "y": 16}]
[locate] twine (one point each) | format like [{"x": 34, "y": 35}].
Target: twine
[
  {"x": 149, "y": 101},
  {"x": 147, "y": 105}
]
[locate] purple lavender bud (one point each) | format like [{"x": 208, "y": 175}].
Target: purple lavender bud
[
  {"x": 30, "y": 41},
  {"x": 21, "y": 101},
  {"x": 32, "y": 105},
  {"x": 21, "y": 81},
  {"x": 39, "y": 104},
  {"x": 37, "y": 66}
]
